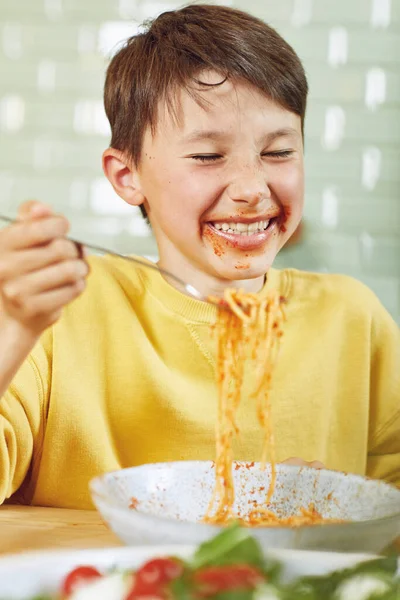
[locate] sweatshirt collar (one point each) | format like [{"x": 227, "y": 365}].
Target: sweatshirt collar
[{"x": 186, "y": 306}]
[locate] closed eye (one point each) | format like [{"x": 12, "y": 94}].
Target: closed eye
[
  {"x": 279, "y": 154},
  {"x": 213, "y": 157},
  {"x": 206, "y": 157}
]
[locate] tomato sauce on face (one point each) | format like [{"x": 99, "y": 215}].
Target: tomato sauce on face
[
  {"x": 287, "y": 215},
  {"x": 216, "y": 243}
]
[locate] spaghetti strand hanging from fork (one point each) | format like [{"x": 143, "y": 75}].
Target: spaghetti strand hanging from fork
[{"x": 250, "y": 332}]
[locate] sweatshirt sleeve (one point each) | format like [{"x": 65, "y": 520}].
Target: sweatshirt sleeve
[
  {"x": 384, "y": 431},
  {"x": 23, "y": 411}
]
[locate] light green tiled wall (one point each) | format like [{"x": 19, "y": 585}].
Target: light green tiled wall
[{"x": 53, "y": 54}]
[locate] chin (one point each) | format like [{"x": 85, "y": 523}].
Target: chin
[
  {"x": 234, "y": 265},
  {"x": 243, "y": 269}
]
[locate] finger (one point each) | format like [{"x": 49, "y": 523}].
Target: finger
[
  {"x": 19, "y": 291},
  {"x": 22, "y": 262},
  {"x": 32, "y": 209},
  {"x": 50, "y": 304},
  {"x": 294, "y": 461},
  {"x": 28, "y": 234},
  {"x": 316, "y": 464}
]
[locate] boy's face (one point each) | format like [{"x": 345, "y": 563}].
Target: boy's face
[{"x": 223, "y": 185}]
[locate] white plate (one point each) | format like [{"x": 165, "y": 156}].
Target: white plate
[{"x": 22, "y": 576}]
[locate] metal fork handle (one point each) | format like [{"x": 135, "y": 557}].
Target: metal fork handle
[{"x": 192, "y": 291}]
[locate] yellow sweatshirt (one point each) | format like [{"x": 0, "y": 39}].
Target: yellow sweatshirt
[{"x": 127, "y": 377}]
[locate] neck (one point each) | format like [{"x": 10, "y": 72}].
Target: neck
[{"x": 206, "y": 283}]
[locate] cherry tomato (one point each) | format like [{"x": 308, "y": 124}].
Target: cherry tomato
[
  {"x": 212, "y": 580},
  {"x": 78, "y": 577},
  {"x": 159, "y": 571},
  {"x": 152, "y": 578},
  {"x": 149, "y": 593}
]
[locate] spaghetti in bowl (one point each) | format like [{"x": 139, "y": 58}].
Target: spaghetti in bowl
[{"x": 167, "y": 503}]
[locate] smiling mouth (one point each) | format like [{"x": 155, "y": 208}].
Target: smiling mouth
[
  {"x": 241, "y": 235},
  {"x": 241, "y": 228}
]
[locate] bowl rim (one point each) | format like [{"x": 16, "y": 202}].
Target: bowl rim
[{"x": 126, "y": 510}]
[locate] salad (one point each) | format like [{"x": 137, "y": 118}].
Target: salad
[{"x": 229, "y": 567}]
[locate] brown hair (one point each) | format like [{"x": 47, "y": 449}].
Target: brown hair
[{"x": 174, "y": 48}]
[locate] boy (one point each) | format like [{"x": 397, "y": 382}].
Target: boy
[{"x": 207, "y": 109}]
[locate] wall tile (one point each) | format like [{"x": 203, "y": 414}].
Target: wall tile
[
  {"x": 380, "y": 255},
  {"x": 381, "y": 48}
]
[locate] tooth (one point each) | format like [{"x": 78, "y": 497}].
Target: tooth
[
  {"x": 224, "y": 226},
  {"x": 217, "y": 225},
  {"x": 266, "y": 223},
  {"x": 241, "y": 226},
  {"x": 229, "y": 230},
  {"x": 252, "y": 226}
]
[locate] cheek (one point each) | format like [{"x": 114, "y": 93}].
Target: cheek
[
  {"x": 289, "y": 191},
  {"x": 188, "y": 194},
  {"x": 177, "y": 201}
]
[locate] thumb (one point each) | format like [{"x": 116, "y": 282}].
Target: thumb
[{"x": 33, "y": 209}]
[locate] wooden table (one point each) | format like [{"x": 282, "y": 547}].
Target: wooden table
[
  {"x": 25, "y": 528},
  {"x": 31, "y": 528}
]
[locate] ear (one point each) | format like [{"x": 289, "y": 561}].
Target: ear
[{"x": 123, "y": 176}]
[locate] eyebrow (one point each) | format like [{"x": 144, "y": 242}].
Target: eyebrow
[{"x": 199, "y": 135}]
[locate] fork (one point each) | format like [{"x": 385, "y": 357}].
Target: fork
[{"x": 186, "y": 287}]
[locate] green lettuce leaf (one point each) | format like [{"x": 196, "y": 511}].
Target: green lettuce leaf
[
  {"x": 324, "y": 586},
  {"x": 235, "y": 545},
  {"x": 228, "y": 547}
]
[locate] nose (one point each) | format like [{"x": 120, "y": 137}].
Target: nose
[{"x": 249, "y": 188}]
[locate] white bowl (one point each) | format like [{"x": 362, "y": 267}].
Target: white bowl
[
  {"x": 23, "y": 576},
  {"x": 171, "y": 499}
]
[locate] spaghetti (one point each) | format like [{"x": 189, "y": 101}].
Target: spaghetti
[
  {"x": 249, "y": 331},
  {"x": 260, "y": 516}
]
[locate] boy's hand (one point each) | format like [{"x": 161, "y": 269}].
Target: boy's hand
[
  {"x": 40, "y": 271},
  {"x": 299, "y": 462}
]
